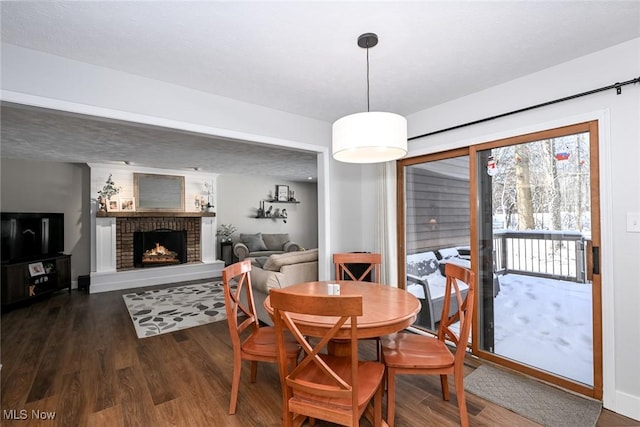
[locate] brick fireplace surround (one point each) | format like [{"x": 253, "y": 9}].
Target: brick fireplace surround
[{"x": 125, "y": 227}]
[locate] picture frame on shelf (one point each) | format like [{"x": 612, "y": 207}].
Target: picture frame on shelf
[
  {"x": 282, "y": 193},
  {"x": 113, "y": 204},
  {"x": 36, "y": 269},
  {"x": 127, "y": 204}
]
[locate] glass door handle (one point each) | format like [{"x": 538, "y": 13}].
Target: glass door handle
[{"x": 593, "y": 260}]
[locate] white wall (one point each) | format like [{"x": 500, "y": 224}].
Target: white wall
[
  {"x": 31, "y": 186},
  {"x": 238, "y": 198},
  {"x": 346, "y": 208},
  {"x": 50, "y": 77},
  {"x": 619, "y": 117}
]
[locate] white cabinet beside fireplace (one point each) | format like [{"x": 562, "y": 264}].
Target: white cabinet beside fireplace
[
  {"x": 105, "y": 245},
  {"x": 208, "y": 231}
]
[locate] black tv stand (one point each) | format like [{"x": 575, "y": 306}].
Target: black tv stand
[{"x": 22, "y": 283}]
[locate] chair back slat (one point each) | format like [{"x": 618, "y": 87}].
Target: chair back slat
[
  {"x": 315, "y": 375},
  {"x": 464, "y": 314},
  {"x": 344, "y": 265},
  {"x": 240, "y": 317}
]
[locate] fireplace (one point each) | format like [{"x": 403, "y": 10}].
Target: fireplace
[
  {"x": 159, "y": 247},
  {"x": 114, "y": 267}
]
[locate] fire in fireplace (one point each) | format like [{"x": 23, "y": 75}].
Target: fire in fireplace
[
  {"x": 160, "y": 255},
  {"x": 159, "y": 247}
]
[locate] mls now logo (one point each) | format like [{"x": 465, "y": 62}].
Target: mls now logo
[{"x": 23, "y": 414}]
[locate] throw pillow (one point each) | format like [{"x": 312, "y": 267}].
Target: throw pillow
[{"x": 254, "y": 242}]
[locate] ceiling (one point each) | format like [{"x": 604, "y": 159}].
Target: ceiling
[
  {"x": 40, "y": 134},
  {"x": 294, "y": 56}
]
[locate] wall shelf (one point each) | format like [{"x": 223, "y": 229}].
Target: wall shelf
[
  {"x": 277, "y": 212},
  {"x": 266, "y": 213},
  {"x": 280, "y": 201}
]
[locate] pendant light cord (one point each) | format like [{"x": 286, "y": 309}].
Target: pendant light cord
[{"x": 368, "y": 77}]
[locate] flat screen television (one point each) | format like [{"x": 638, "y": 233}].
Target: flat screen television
[{"x": 29, "y": 236}]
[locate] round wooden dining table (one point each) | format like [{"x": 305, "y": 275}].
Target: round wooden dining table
[{"x": 385, "y": 309}]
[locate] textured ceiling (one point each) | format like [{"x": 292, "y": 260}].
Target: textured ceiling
[
  {"x": 302, "y": 57},
  {"x": 39, "y": 134}
]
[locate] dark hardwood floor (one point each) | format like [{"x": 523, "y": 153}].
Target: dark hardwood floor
[{"x": 77, "y": 355}]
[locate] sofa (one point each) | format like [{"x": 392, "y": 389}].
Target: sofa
[
  {"x": 262, "y": 245},
  {"x": 279, "y": 271}
]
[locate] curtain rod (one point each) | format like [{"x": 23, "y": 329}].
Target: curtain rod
[{"x": 616, "y": 86}]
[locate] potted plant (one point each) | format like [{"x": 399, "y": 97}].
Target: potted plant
[
  {"x": 225, "y": 231},
  {"x": 107, "y": 191}
]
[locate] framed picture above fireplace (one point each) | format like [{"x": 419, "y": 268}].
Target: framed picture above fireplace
[{"x": 154, "y": 192}]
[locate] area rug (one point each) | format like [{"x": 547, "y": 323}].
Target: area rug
[
  {"x": 161, "y": 311},
  {"x": 532, "y": 399}
]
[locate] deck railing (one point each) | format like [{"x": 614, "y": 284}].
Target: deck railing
[{"x": 553, "y": 254}]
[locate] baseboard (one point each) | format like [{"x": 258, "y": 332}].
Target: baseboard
[{"x": 627, "y": 405}]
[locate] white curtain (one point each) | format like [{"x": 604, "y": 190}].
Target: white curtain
[{"x": 386, "y": 243}]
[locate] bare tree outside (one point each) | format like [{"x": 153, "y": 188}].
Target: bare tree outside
[
  {"x": 524, "y": 200},
  {"x": 543, "y": 185}
]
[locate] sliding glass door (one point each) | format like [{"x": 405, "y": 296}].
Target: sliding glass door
[
  {"x": 436, "y": 218},
  {"x": 523, "y": 214},
  {"x": 536, "y": 225}
]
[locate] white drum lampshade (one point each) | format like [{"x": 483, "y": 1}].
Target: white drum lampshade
[{"x": 370, "y": 137}]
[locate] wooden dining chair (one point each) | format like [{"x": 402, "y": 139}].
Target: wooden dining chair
[
  {"x": 370, "y": 264},
  {"x": 406, "y": 353},
  {"x": 250, "y": 341},
  {"x": 338, "y": 389},
  {"x": 359, "y": 266}
]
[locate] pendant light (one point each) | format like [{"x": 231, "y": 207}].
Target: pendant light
[{"x": 370, "y": 137}]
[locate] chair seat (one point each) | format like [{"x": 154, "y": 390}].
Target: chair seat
[
  {"x": 370, "y": 375},
  {"x": 404, "y": 350},
  {"x": 263, "y": 343}
]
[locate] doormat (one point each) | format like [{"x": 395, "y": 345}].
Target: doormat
[
  {"x": 161, "y": 311},
  {"x": 532, "y": 399}
]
